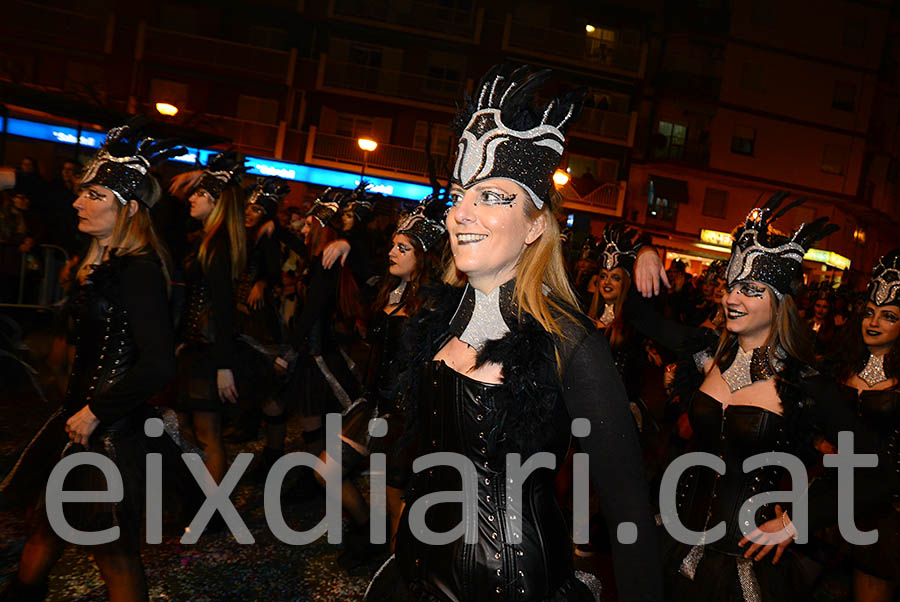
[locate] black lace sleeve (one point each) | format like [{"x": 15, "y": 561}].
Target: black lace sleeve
[
  {"x": 143, "y": 293},
  {"x": 592, "y": 389}
]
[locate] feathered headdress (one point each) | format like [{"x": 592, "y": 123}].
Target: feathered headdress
[
  {"x": 620, "y": 246},
  {"x": 761, "y": 254},
  {"x": 326, "y": 205},
  {"x": 884, "y": 288},
  {"x": 715, "y": 270},
  {"x": 123, "y": 163},
  {"x": 221, "y": 170},
  {"x": 360, "y": 202},
  {"x": 501, "y": 136},
  {"x": 268, "y": 194},
  {"x": 427, "y": 221}
]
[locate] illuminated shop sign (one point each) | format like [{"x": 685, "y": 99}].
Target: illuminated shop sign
[
  {"x": 723, "y": 239},
  {"x": 319, "y": 176},
  {"x": 53, "y": 133}
]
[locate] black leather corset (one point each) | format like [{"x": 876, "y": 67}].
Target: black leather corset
[
  {"x": 705, "y": 498},
  {"x": 880, "y": 410},
  {"x": 104, "y": 347},
  {"x": 461, "y": 415},
  {"x": 196, "y": 322}
]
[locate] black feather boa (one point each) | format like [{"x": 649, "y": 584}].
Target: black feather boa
[{"x": 527, "y": 355}]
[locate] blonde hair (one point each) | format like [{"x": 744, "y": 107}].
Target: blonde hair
[
  {"x": 132, "y": 235},
  {"x": 227, "y": 218},
  {"x": 540, "y": 264}
]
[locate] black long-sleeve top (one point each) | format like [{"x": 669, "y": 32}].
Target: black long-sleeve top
[
  {"x": 321, "y": 295},
  {"x": 123, "y": 337}
]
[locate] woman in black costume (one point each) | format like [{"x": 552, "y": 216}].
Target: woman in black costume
[
  {"x": 207, "y": 331},
  {"x": 124, "y": 354},
  {"x": 870, "y": 373},
  {"x": 503, "y": 366},
  {"x": 756, "y": 393},
  {"x": 413, "y": 267}
]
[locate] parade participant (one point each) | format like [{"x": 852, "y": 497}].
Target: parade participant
[
  {"x": 413, "y": 267},
  {"x": 870, "y": 369},
  {"x": 757, "y": 394},
  {"x": 124, "y": 354},
  {"x": 207, "y": 331},
  {"x": 502, "y": 366},
  {"x": 259, "y": 325}
]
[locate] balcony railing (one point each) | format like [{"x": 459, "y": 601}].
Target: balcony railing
[
  {"x": 412, "y": 15},
  {"x": 375, "y": 82},
  {"x": 50, "y": 25},
  {"x": 608, "y": 199},
  {"x": 335, "y": 149},
  {"x": 568, "y": 47},
  {"x": 618, "y": 127},
  {"x": 254, "y": 62}
]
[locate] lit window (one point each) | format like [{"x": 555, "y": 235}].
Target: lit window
[{"x": 676, "y": 138}]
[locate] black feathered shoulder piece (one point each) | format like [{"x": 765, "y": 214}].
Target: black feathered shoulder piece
[
  {"x": 763, "y": 255},
  {"x": 123, "y": 163},
  {"x": 503, "y": 135}
]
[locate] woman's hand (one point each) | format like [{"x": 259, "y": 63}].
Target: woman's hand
[
  {"x": 649, "y": 272},
  {"x": 256, "y": 299},
  {"x": 80, "y": 426},
  {"x": 776, "y": 534},
  {"x": 337, "y": 249},
  {"x": 227, "y": 390}
]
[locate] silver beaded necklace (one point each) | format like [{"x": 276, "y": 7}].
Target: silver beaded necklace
[{"x": 873, "y": 373}]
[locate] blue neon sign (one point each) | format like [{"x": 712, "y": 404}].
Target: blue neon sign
[
  {"x": 319, "y": 176},
  {"x": 53, "y": 133}
]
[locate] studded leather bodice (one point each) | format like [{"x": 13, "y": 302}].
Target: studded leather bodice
[
  {"x": 105, "y": 349},
  {"x": 705, "y": 498},
  {"x": 196, "y": 324},
  {"x": 528, "y": 562},
  {"x": 880, "y": 410},
  {"x": 386, "y": 335}
]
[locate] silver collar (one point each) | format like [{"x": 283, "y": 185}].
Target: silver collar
[
  {"x": 749, "y": 367},
  {"x": 486, "y": 323},
  {"x": 396, "y": 295},
  {"x": 609, "y": 314},
  {"x": 873, "y": 373}
]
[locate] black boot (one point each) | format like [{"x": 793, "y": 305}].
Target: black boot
[
  {"x": 16, "y": 591},
  {"x": 259, "y": 471},
  {"x": 358, "y": 550}
]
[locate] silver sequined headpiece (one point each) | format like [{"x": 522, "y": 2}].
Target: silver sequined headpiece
[
  {"x": 426, "y": 222},
  {"x": 123, "y": 163},
  {"x": 502, "y": 137},
  {"x": 620, "y": 247},
  {"x": 268, "y": 194},
  {"x": 222, "y": 169},
  {"x": 762, "y": 255},
  {"x": 884, "y": 288}
]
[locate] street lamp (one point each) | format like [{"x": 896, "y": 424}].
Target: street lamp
[
  {"x": 367, "y": 145},
  {"x": 560, "y": 178},
  {"x": 167, "y": 109}
]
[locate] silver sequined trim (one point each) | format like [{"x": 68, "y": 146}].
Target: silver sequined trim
[
  {"x": 592, "y": 583},
  {"x": 609, "y": 314},
  {"x": 487, "y": 322},
  {"x": 747, "y": 578},
  {"x": 397, "y": 294},
  {"x": 738, "y": 373},
  {"x": 873, "y": 373}
]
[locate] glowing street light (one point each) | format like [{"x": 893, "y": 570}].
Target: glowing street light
[
  {"x": 367, "y": 145},
  {"x": 560, "y": 178},
  {"x": 167, "y": 109},
  {"x": 589, "y": 28}
]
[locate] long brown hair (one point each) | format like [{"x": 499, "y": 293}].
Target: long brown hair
[
  {"x": 132, "y": 235},
  {"x": 226, "y": 220},
  {"x": 348, "y": 295},
  {"x": 427, "y": 270},
  {"x": 616, "y": 332}
]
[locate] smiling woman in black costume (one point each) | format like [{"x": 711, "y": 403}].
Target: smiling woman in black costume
[
  {"x": 124, "y": 354},
  {"x": 870, "y": 372},
  {"x": 755, "y": 392},
  {"x": 503, "y": 365}
]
